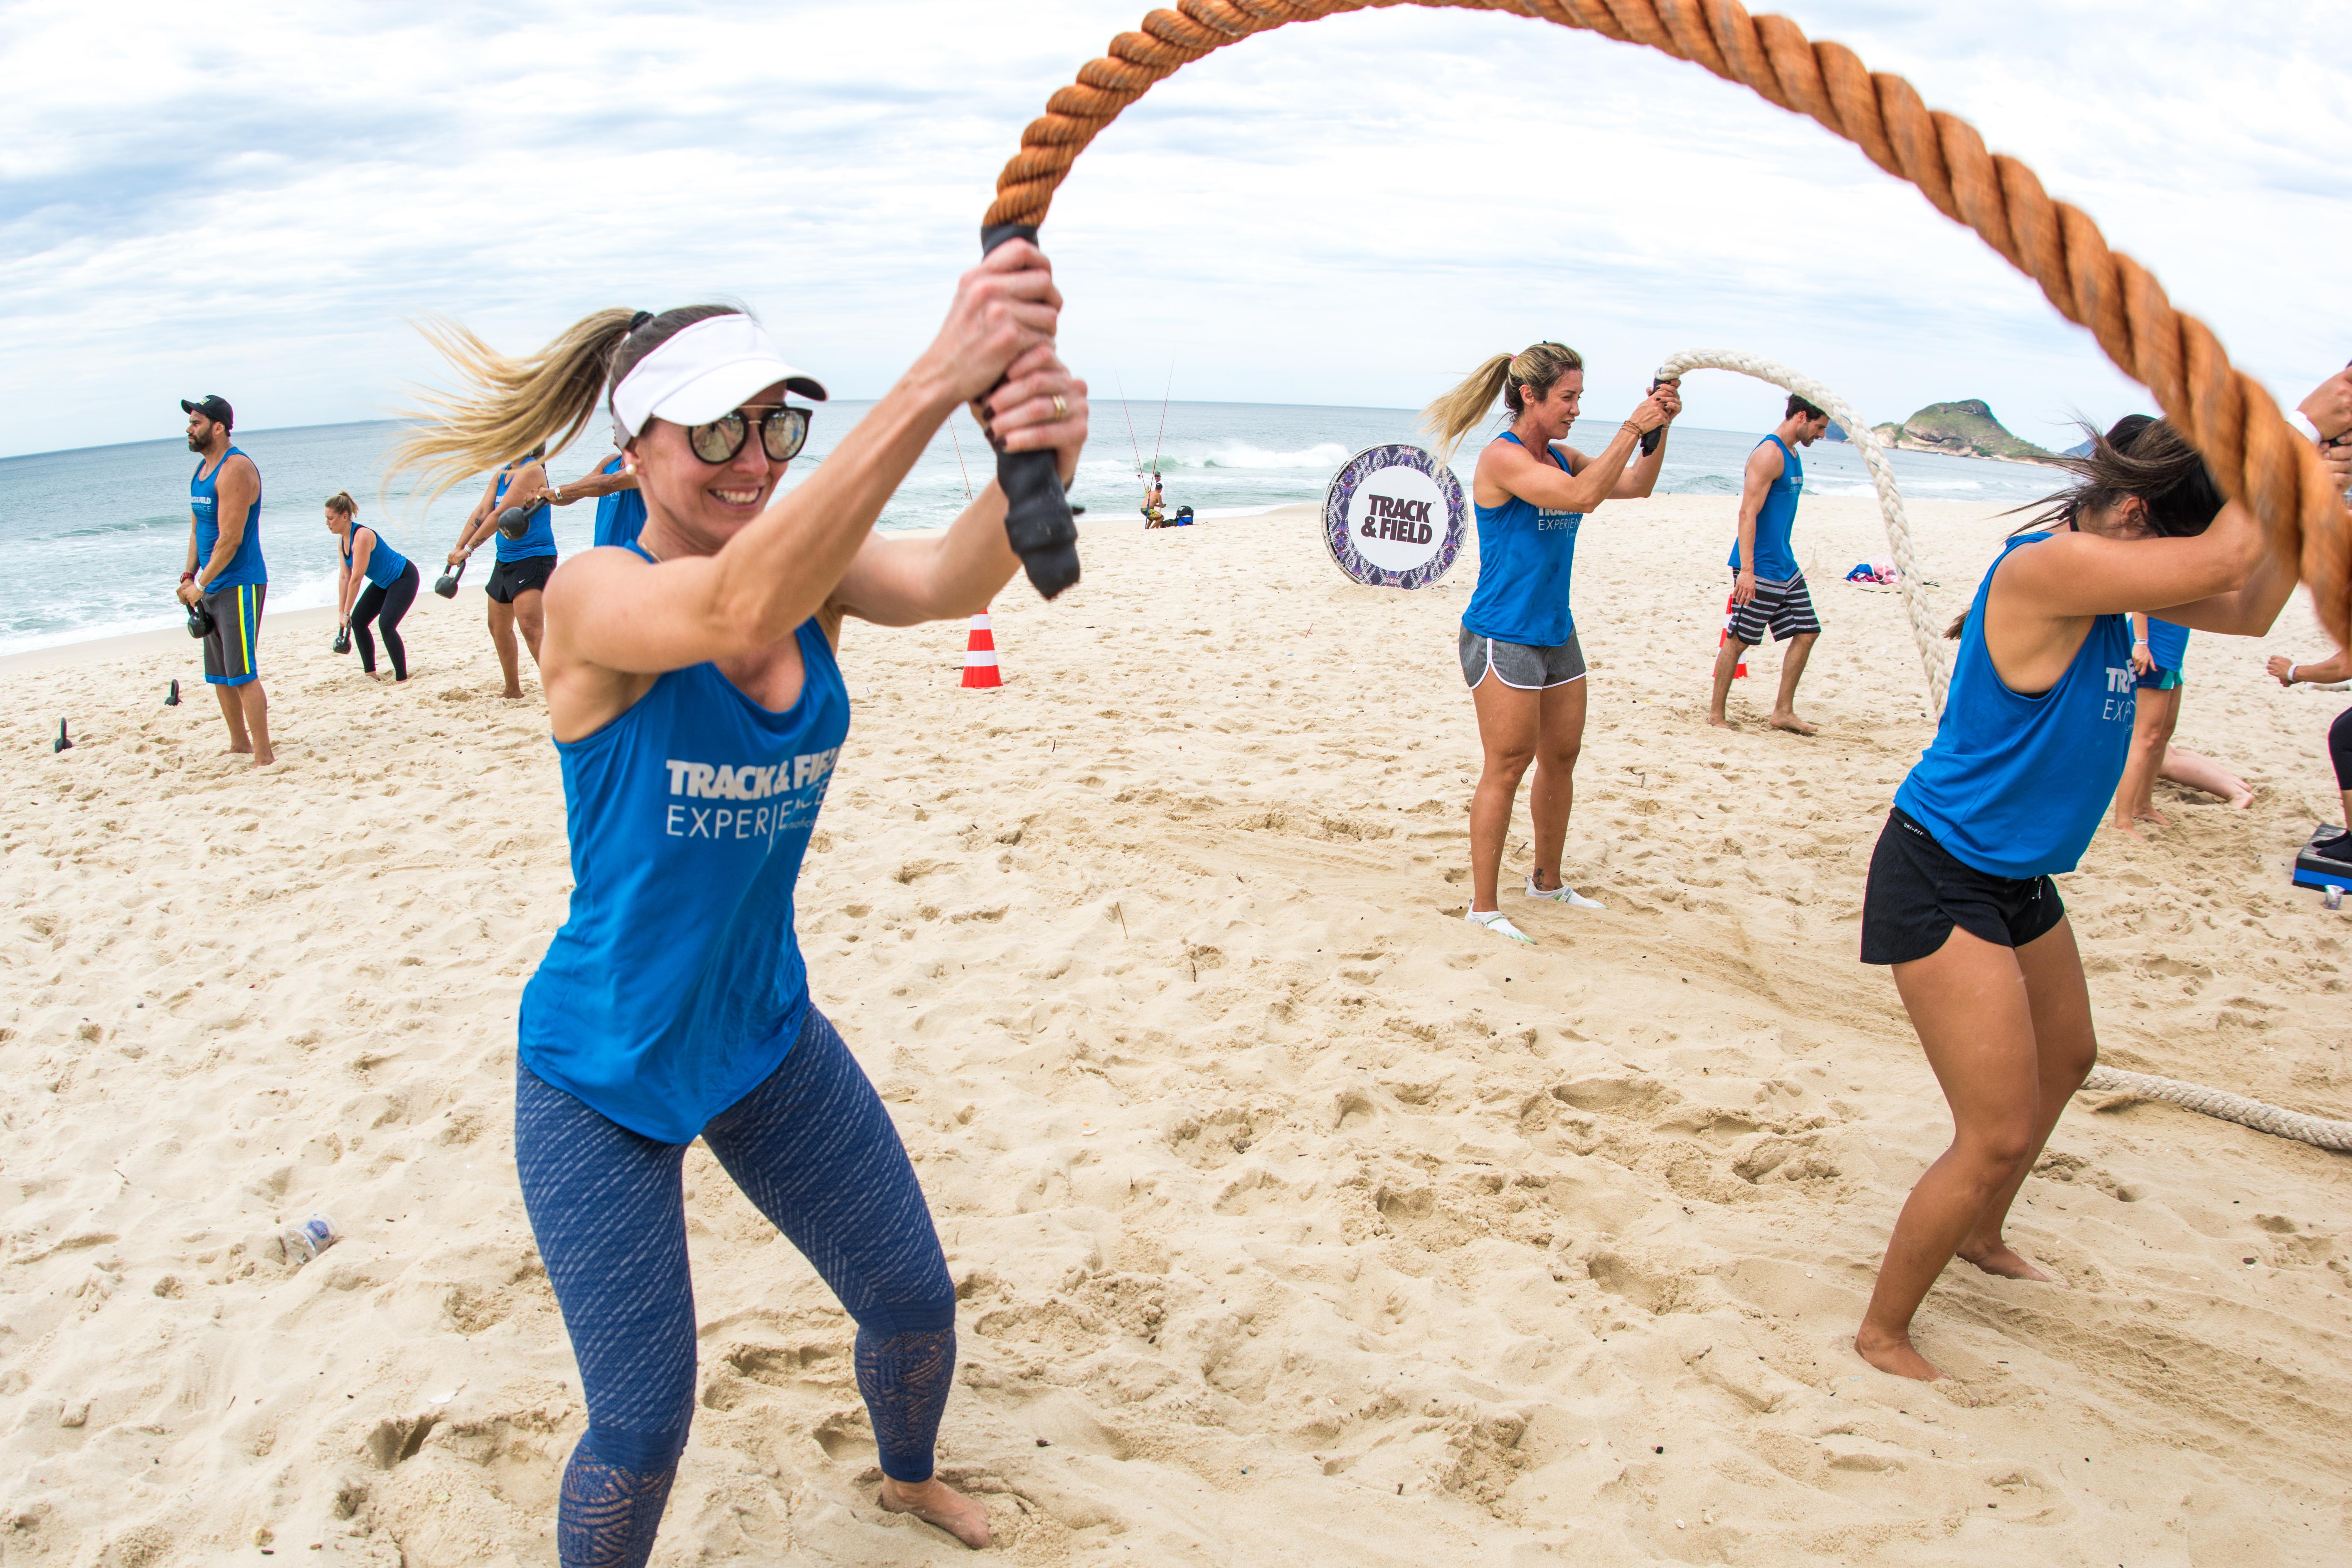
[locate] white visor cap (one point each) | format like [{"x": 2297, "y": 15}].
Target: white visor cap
[{"x": 702, "y": 372}]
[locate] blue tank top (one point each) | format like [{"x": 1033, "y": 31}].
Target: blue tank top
[
  {"x": 1527, "y": 555},
  {"x": 384, "y": 564},
  {"x": 246, "y": 567},
  {"x": 676, "y": 984},
  {"x": 539, "y": 539},
  {"x": 2015, "y": 785},
  {"x": 2166, "y": 644},
  {"x": 621, "y": 516},
  {"x": 1775, "y": 520}
]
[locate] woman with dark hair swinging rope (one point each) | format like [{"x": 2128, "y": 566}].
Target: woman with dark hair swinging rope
[
  {"x": 697, "y": 711},
  {"x": 2031, "y": 744},
  {"x": 1519, "y": 646}
]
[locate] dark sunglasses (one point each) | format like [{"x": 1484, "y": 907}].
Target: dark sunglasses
[{"x": 783, "y": 434}]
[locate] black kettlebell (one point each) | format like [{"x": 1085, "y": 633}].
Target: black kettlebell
[
  {"x": 514, "y": 523},
  {"x": 447, "y": 584},
  {"x": 200, "y": 620},
  {"x": 342, "y": 639}
]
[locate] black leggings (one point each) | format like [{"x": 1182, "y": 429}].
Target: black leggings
[
  {"x": 2339, "y": 747},
  {"x": 385, "y": 606}
]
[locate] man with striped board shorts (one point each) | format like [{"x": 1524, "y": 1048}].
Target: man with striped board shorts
[{"x": 1768, "y": 587}]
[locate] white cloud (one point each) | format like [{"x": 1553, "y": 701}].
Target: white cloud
[{"x": 248, "y": 198}]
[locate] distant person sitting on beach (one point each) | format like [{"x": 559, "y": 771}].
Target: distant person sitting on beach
[
  {"x": 1768, "y": 588},
  {"x": 2030, "y": 749},
  {"x": 1517, "y": 645},
  {"x": 524, "y": 563},
  {"x": 698, "y": 708},
  {"x": 375, "y": 584},
  {"x": 226, "y": 577},
  {"x": 2159, "y": 650}
]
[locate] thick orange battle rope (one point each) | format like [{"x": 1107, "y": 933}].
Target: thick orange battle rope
[{"x": 2231, "y": 418}]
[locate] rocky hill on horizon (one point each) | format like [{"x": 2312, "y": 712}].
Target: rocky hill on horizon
[{"x": 1963, "y": 429}]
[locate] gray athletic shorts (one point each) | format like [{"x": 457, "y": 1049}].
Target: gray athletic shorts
[{"x": 1517, "y": 664}]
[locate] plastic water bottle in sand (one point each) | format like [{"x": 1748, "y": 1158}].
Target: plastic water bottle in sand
[
  {"x": 305, "y": 1241},
  {"x": 2333, "y": 896}
]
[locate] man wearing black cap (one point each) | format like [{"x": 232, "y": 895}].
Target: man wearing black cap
[{"x": 225, "y": 575}]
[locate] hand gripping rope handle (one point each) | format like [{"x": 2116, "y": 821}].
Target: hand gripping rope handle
[
  {"x": 2225, "y": 413},
  {"x": 1037, "y": 520}
]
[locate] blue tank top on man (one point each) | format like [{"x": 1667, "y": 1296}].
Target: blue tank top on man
[
  {"x": 384, "y": 564},
  {"x": 1775, "y": 520},
  {"x": 539, "y": 539},
  {"x": 2015, "y": 785},
  {"x": 246, "y": 567},
  {"x": 621, "y": 516},
  {"x": 2166, "y": 644},
  {"x": 1526, "y": 557},
  {"x": 675, "y": 985}
]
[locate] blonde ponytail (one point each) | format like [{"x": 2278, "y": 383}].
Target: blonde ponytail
[
  {"x": 504, "y": 406},
  {"x": 1457, "y": 413},
  {"x": 1464, "y": 409}
]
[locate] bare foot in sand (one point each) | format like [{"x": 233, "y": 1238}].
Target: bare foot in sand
[
  {"x": 1892, "y": 1352},
  {"x": 2127, "y": 830},
  {"x": 2152, "y": 815},
  {"x": 1794, "y": 725},
  {"x": 2240, "y": 802},
  {"x": 2001, "y": 1259},
  {"x": 937, "y": 1503},
  {"x": 1720, "y": 722}
]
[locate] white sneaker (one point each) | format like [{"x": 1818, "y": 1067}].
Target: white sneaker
[
  {"x": 1563, "y": 894},
  {"x": 1496, "y": 921}
]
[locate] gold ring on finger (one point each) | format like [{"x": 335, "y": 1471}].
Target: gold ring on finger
[{"x": 1061, "y": 410}]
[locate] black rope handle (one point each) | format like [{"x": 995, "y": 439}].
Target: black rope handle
[{"x": 1037, "y": 520}]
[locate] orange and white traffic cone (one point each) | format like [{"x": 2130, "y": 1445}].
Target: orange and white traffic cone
[
  {"x": 979, "y": 655},
  {"x": 1730, "y": 608}
]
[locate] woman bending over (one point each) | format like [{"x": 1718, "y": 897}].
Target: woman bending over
[
  {"x": 375, "y": 582},
  {"x": 2030, "y": 748}
]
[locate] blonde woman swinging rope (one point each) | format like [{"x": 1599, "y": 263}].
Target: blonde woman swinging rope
[{"x": 1519, "y": 646}]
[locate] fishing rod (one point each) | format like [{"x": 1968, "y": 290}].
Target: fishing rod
[
  {"x": 1156, "y": 440},
  {"x": 1121, "y": 383},
  {"x": 958, "y": 452}
]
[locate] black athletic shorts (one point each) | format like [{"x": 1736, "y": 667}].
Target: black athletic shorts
[
  {"x": 528, "y": 575},
  {"x": 1919, "y": 890}
]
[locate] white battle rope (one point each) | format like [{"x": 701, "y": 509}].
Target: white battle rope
[
  {"x": 2235, "y": 1108},
  {"x": 1924, "y": 629}
]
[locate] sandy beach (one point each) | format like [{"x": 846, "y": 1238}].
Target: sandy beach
[{"x": 1294, "y": 1221}]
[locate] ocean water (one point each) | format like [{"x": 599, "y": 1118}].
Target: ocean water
[{"x": 98, "y": 537}]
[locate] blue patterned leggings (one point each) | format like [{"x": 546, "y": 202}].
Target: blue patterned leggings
[{"x": 813, "y": 1149}]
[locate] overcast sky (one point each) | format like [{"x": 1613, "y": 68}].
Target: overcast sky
[{"x": 249, "y": 198}]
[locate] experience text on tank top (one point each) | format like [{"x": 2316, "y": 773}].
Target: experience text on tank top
[
  {"x": 1527, "y": 562},
  {"x": 676, "y": 984}
]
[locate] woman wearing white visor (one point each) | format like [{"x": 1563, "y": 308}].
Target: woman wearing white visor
[{"x": 698, "y": 711}]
